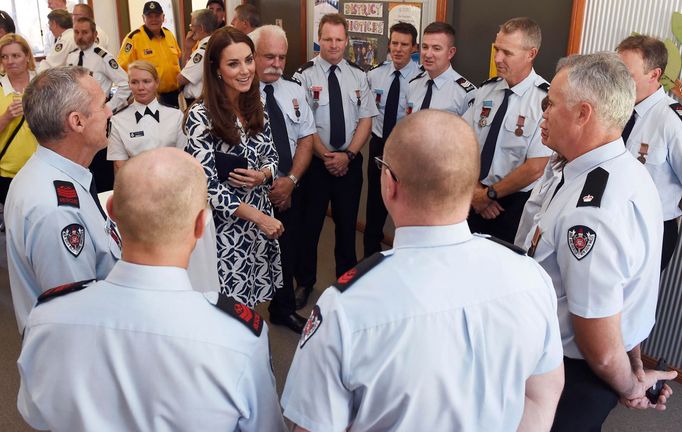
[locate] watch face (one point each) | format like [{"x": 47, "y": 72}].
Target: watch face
[{"x": 491, "y": 193}]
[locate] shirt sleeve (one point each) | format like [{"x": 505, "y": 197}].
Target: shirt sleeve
[
  {"x": 52, "y": 261},
  {"x": 116, "y": 149},
  {"x": 120, "y": 79},
  {"x": 181, "y": 138},
  {"x": 468, "y": 115},
  {"x": 316, "y": 395},
  {"x": 194, "y": 68},
  {"x": 200, "y": 145},
  {"x": 127, "y": 54},
  {"x": 368, "y": 107},
  {"x": 257, "y": 388},
  {"x": 593, "y": 279}
]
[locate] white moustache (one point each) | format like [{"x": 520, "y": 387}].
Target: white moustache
[{"x": 273, "y": 70}]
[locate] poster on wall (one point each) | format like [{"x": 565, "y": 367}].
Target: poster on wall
[
  {"x": 367, "y": 10},
  {"x": 322, "y": 8},
  {"x": 405, "y": 12}
]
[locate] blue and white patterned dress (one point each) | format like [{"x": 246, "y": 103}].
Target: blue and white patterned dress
[{"x": 249, "y": 265}]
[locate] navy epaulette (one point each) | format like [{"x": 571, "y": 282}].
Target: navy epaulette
[
  {"x": 677, "y": 109},
  {"x": 241, "y": 313},
  {"x": 355, "y": 65},
  {"x": 74, "y": 50},
  {"x": 491, "y": 80},
  {"x": 594, "y": 187},
  {"x": 466, "y": 85},
  {"x": 203, "y": 45},
  {"x": 66, "y": 194},
  {"x": 62, "y": 290},
  {"x": 544, "y": 87},
  {"x": 101, "y": 52},
  {"x": 305, "y": 66},
  {"x": 418, "y": 76},
  {"x": 133, "y": 33},
  {"x": 351, "y": 276},
  {"x": 379, "y": 65},
  {"x": 501, "y": 242},
  {"x": 292, "y": 79},
  {"x": 165, "y": 104}
]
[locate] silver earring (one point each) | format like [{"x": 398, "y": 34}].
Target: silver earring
[{"x": 220, "y": 77}]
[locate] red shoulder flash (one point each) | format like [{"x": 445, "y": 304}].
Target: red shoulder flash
[
  {"x": 66, "y": 194},
  {"x": 241, "y": 313},
  {"x": 63, "y": 290},
  {"x": 347, "y": 279}
]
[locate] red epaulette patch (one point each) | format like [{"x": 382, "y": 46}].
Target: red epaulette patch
[
  {"x": 62, "y": 290},
  {"x": 347, "y": 279},
  {"x": 66, "y": 194},
  {"x": 241, "y": 313}
]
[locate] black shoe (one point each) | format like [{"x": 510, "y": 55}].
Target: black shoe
[
  {"x": 301, "y": 295},
  {"x": 294, "y": 321}
]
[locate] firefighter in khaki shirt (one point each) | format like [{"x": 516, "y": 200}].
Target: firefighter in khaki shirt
[{"x": 156, "y": 44}]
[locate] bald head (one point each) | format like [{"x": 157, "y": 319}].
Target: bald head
[
  {"x": 157, "y": 197},
  {"x": 435, "y": 156}
]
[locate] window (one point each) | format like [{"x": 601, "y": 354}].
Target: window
[{"x": 30, "y": 18}]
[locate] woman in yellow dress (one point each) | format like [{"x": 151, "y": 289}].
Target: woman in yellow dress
[{"x": 17, "y": 143}]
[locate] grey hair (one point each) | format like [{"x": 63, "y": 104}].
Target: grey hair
[
  {"x": 270, "y": 29},
  {"x": 206, "y": 19},
  {"x": 51, "y": 97},
  {"x": 603, "y": 81}
]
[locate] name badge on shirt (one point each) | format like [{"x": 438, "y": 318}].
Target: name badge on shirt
[{"x": 136, "y": 134}]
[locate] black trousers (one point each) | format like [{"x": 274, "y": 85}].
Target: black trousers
[
  {"x": 102, "y": 171},
  {"x": 344, "y": 194},
  {"x": 670, "y": 236},
  {"x": 4, "y": 188},
  {"x": 283, "y": 303},
  {"x": 375, "y": 216},
  {"x": 586, "y": 400},
  {"x": 170, "y": 98},
  {"x": 505, "y": 225}
]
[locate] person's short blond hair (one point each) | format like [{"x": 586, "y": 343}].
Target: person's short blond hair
[
  {"x": 11, "y": 38},
  {"x": 146, "y": 66},
  {"x": 158, "y": 195}
]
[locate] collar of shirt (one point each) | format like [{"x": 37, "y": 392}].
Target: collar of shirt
[
  {"x": 440, "y": 80},
  {"x": 150, "y": 35},
  {"x": 406, "y": 71},
  {"x": 202, "y": 41},
  {"x": 77, "y": 172},
  {"x": 158, "y": 278},
  {"x": 274, "y": 85},
  {"x": 643, "y": 106},
  {"x": 522, "y": 87},
  {"x": 7, "y": 84},
  {"x": 431, "y": 236},
  {"x": 153, "y": 106},
  {"x": 591, "y": 159},
  {"x": 325, "y": 65}
]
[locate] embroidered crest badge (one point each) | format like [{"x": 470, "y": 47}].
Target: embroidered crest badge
[
  {"x": 128, "y": 47},
  {"x": 73, "y": 237},
  {"x": 58, "y": 47},
  {"x": 312, "y": 325},
  {"x": 197, "y": 58},
  {"x": 581, "y": 240},
  {"x": 113, "y": 64}
]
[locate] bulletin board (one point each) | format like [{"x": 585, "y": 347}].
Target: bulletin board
[{"x": 368, "y": 24}]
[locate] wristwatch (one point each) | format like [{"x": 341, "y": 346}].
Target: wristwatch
[
  {"x": 492, "y": 193},
  {"x": 350, "y": 155},
  {"x": 293, "y": 179}
]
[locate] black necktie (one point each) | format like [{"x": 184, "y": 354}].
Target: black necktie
[
  {"x": 147, "y": 111},
  {"x": 628, "y": 127},
  {"x": 279, "y": 129},
  {"x": 491, "y": 140},
  {"x": 80, "y": 58},
  {"x": 337, "y": 122},
  {"x": 427, "y": 97},
  {"x": 391, "y": 108},
  {"x": 561, "y": 183},
  {"x": 93, "y": 192}
]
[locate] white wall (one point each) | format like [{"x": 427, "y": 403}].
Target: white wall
[{"x": 107, "y": 19}]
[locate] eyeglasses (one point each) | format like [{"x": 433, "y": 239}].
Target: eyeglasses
[{"x": 381, "y": 164}]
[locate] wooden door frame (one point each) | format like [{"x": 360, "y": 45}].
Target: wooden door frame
[{"x": 577, "y": 23}]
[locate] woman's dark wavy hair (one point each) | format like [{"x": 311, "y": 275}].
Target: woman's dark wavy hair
[{"x": 220, "y": 110}]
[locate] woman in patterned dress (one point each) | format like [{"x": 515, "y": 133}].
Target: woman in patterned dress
[{"x": 229, "y": 118}]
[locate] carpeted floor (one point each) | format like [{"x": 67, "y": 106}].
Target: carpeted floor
[{"x": 283, "y": 343}]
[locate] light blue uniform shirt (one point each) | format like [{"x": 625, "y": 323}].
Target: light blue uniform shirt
[
  {"x": 511, "y": 150},
  {"x": 617, "y": 269},
  {"x": 354, "y": 88},
  {"x": 429, "y": 339},
  {"x": 298, "y": 116},
  {"x": 37, "y": 252},
  {"x": 143, "y": 351},
  {"x": 380, "y": 80},
  {"x": 451, "y": 92},
  {"x": 661, "y": 128}
]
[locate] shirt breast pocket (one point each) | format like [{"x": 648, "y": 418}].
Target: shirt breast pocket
[
  {"x": 291, "y": 117},
  {"x": 651, "y": 154},
  {"x": 355, "y": 101},
  {"x": 517, "y": 133}
]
